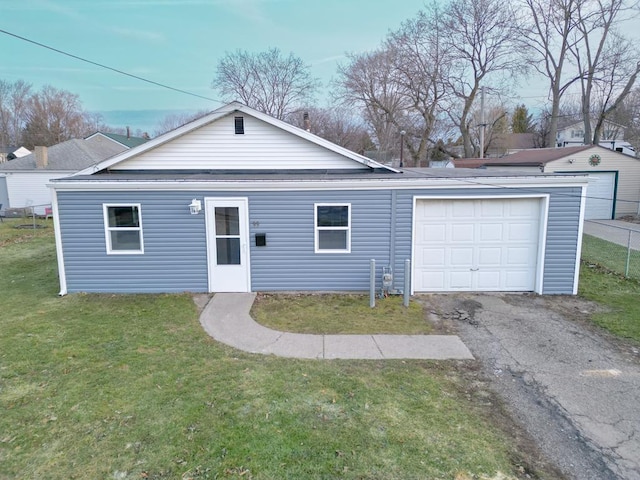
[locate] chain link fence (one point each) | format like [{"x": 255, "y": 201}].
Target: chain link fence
[{"x": 614, "y": 247}]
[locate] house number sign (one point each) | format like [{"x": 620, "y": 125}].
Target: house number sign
[{"x": 594, "y": 160}]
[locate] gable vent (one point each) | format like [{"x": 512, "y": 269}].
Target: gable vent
[{"x": 239, "y": 125}]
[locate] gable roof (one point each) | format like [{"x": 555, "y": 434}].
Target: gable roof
[
  {"x": 529, "y": 157},
  {"x": 127, "y": 141},
  {"x": 225, "y": 111},
  {"x": 72, "y": 155}
]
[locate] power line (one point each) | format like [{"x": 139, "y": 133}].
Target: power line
[{"x": 108, "y": 67}]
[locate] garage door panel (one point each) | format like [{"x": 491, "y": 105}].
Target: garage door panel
[
  {"x": 433, "y": 256},
  {"x": 488, "y": 244},
  {"x": 520, "y": 231},
  {"x": 460, "y": 256},
  {"x": 433, "y": 281},
  {"x": 490, "y": 232},
  {"x": 463, "y": 209},
  {"x": 489, "y": 280},
  {"x": 462, "y": 232},
  {"x": 520, "y": 256},
  {"x": 434, "y": 233},
  {"x": 491, "y": 209},
  {"x": 517, "y": 280},
  {"x": 437, "y": 209},
  {"x": 523, "y": 210},
  {"x": 460, "y": 280},
  {"x": 489, "y": 256}
]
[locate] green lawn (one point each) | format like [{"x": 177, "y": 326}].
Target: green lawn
[
  {"x": 130, "y": 387},
  {"x": 602, "y": 280},
  {"x": 611, "y": 256}
]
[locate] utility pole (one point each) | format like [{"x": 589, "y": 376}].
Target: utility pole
[
  {"x": 482, "y": 124},
  {"x": 402, "y": 134}
]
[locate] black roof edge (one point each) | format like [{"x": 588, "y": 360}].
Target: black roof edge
[{"x": 358, "y": 171}]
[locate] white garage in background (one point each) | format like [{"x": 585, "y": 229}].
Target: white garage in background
[
  {"x": 600, "y": 195},
  {"x": 478, "y": 244}
]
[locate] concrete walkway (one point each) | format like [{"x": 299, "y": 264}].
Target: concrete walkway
[
  {"x": 616, "y": 231},
  {"x": 226, "y": 318}
]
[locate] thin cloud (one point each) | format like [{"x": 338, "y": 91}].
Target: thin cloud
[
  {"x": 331, "y": 59},
  {"x": 145, "y": 36}
]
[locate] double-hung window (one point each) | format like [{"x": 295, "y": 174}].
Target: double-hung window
[
  {"x": 332, "y": 228},
  {"x": 123, "y": 228}
]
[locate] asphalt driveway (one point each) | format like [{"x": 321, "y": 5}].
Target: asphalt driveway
[{"x": 574, "y": 390}]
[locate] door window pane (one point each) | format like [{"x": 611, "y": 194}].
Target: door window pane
[
  {"x": 228, "y": 251},
  {"x": 227, "y": 221}
]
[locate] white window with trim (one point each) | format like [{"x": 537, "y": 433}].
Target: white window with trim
[
  {"x": 332, "y": 227},
  {"x": 123, "y": 228}
]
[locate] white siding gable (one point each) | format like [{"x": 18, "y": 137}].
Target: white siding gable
[
  {"x": 26, "y": 189},
  {"x": 216, "y": 146}
]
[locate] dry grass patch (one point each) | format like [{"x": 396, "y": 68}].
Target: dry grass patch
[{"x": 339, "y": 314}]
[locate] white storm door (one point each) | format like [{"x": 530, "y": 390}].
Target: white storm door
[{"x": 228, "y": 244}]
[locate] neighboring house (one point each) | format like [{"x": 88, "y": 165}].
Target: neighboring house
[
  {"x": 611, "y": 137},
  {"x": 124, "y": 140},
  {"x": 238, "y": 201},
  {"x": 9, "y": 153},
  {"x": 23, "y": 181},
  {"x": 614, "y": 178},
  {"x": 508, "y": 143}
]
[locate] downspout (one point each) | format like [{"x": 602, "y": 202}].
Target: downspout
[
  {"x": 58, "y": 235},
  {"x": 392, "y": 235}
]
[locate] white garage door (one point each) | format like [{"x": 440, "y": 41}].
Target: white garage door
[
  {"x": 476, "y": 245},
  {"x": 599, "y": 204}
]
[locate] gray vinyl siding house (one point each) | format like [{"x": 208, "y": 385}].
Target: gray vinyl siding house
[{"x": 195, "y": 210}]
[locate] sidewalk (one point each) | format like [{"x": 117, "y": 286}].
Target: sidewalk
[{"x": 226, "y": 318}]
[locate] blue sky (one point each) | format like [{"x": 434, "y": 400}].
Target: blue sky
[{"x": 179, "y": 42}]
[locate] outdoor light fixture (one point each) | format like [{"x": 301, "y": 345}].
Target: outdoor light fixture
[{"x": 195, "y": 206}]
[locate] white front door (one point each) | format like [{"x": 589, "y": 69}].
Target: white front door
[{"x": 228, "y": 244}]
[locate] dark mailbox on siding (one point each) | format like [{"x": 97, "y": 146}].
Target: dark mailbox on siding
[{"x": 261, "y": 239}]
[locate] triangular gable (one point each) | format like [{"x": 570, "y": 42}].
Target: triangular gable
[{"x": 210, "y": 143}]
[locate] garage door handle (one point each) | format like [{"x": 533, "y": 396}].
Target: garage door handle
[{"x": 474, "y": 269}]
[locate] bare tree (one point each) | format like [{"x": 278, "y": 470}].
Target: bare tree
[
  {"x": 421, "y": 63},
  {"x": 481, "y": 36},
  {"x": 336, "y": 124},
  {"x": 13, "y": 111},
  {"x": 267, "y": 81},
  {"x": 399, "y": 87},
  {"x": 54, "y": 116},
  {"x": 367, "y": 81},
  {"x": 175, "y": 120},
  {"x": 606, "y": 60},
  {"x": 551, "y": 32},
  {"x": 628, "y": 115}
]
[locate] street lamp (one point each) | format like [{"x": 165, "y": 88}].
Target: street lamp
[{"x": 402, "y": 134}]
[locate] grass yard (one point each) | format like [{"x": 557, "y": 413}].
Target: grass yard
[
  {"x": 130, "y": 387},
  {"x": 610, "y": 256},
  {"x": 616, "y": 292},
  {"x": 303, "y": 313}
]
